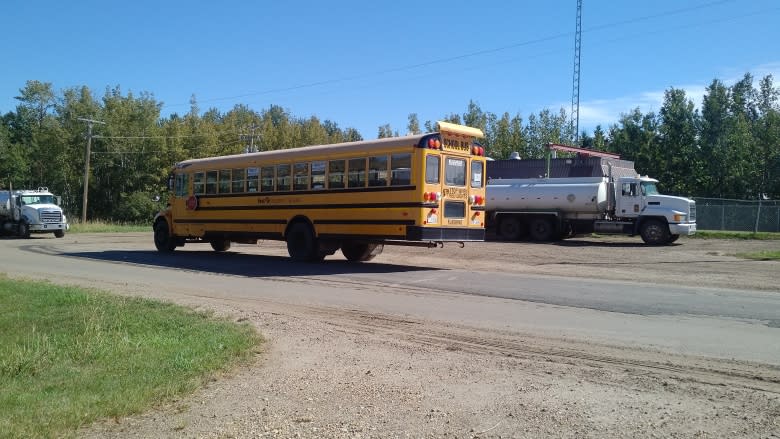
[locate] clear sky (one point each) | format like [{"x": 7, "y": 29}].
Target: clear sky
[{"x": 363, "y": 64}]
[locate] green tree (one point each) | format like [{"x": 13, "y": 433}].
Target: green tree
[{"x": 681, "y": 171}]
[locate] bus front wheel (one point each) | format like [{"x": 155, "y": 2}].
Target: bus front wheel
[
  {"x": 162, "y": 237},
  {"x": 361, "y": 252}
]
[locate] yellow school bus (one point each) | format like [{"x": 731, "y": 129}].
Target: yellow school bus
[{"x": 424, "y": 190}]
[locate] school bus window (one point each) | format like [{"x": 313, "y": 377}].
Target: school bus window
[
  {"x": 199, "y": 183},
  {"x": 377, "y": 171},
  {"x": 455, "y": 172},
  {"x": 211, "y": 182},
  {"x": 432, "y": 169},
  {"x": 181, "y": 186},
  {"x": 252, "y": 175},
  {"x": 301, "y": 176},
  {"x": 401, "y": 165},
  {"x": 224, "y": 181},
  {"x": 318, "y": 175},
  {"x": 454, "y": 209},
  {"x": 336, "y": 174},
  {"x": 267, "y": 179},
  {"x": 238, "y": 181},
  {"x": 476, "y": 174},
  {"x": 283, "y": 177},
  {"x": 357, "y": 173}
]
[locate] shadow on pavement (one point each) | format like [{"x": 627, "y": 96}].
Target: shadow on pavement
[{"x": 240, "y": 264}]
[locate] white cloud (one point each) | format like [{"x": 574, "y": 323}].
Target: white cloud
[{"x": 606, "y": 112}]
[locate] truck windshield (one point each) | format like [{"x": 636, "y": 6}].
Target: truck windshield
[
  {"x": 37, "y": 199},
  {"x": 649, "y": 188}
]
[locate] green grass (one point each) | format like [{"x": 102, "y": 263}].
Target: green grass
[
  {"x": 718, "y": 234},
  {"x": 108, "y": 227},
  {"x": 69, "y": 357},
  {"x": 761, "y": 256}
]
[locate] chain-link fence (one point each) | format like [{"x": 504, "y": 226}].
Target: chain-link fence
[{"x": 737, "y": 215}]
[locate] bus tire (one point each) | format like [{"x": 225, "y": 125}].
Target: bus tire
[
  {"x": 220, "y": 245},
  {"x": 361, "y": 252},
  {"x": 510, "y": 228},
  {"x": 301, "y": 243},
  {"x": 162, "y": 237},
  {"x": 655, "y": 232},
  {"x": 541, "y": 229},
  {"x": 59, "y": 233}
]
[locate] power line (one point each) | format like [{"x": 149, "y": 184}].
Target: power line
[{"x": 464, "y": 56}]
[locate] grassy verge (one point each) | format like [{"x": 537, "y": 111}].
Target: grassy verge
[
  {"x": 107, "y": 227},
  {"x": 718, "y": 234},
  {"x": 70, "y": 356},
  {"x": 761, "y": 256}
]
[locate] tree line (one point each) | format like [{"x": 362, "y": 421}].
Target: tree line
[{"x": 730, "y": 148}]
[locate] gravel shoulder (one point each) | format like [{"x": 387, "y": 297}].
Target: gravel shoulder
[{"x": 337, "y": 372}]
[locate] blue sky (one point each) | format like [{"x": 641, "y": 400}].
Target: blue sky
[{"x": 364, "y": 64}]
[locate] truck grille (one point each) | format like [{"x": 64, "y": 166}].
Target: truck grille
[
  {"x": 51, "y": 216},
  {"x": 692, "y": 216}
]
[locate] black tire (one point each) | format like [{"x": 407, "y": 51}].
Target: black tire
[
  {"x": 673, "y": 238},
  {"x": 361, "y": 252},
  {"x": 655, "y": 232},
  {"x": 510, "y": 228},
  {"x": 162, "y": 237},
  {"x": 59, "y": 233},
  {"x": 221, "y": 245},
  {"x": 301, "y": 243},
  {"x": 23, "y": 230},
  {"x": 541, "y": 229}
]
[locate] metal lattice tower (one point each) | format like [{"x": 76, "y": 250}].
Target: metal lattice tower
[{"x": 575, "y": 90}]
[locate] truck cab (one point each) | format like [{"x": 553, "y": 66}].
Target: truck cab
[
  {"x": 24, "y": 212},
  {"x": 658, "y": 218}
]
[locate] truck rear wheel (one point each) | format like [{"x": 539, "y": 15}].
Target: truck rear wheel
[
  {"x": 357, "y": 252},
  {"x": 655, "y": 232},
  {"x": 510, "y": 228},
  {"x": 541, "y": 229}
]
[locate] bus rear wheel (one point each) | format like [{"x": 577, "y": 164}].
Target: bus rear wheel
[
  {"x": 361, "y": 252},
  {"x": 220, "y": 245},
  {"x": 301, "y": 243}
]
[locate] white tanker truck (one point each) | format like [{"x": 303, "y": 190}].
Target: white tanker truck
[
  {"x": 23, "y": 212},
  {"x": 545, "y": 209}
]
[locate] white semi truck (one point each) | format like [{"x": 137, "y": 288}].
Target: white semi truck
[
  {"x": 545, "y": 209},
  {"x": 23, "y": 212}
]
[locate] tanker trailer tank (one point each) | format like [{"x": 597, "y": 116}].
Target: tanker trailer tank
[{"x": 581, "y": 196}]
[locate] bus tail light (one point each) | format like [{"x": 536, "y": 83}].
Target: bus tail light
[{"x": 431, "y": 196}]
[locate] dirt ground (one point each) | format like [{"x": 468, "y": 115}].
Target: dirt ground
[{"x": 344, "y": 373}]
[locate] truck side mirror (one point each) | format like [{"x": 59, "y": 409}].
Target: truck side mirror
[{"x": 59, "y": 200}]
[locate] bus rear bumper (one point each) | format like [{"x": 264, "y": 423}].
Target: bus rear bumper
[{"x": 417, "y": 233}]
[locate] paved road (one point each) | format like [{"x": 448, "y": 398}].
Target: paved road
[{"x": 739, "y": 324}]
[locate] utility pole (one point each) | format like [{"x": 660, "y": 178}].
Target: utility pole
[
  {"x": 575, "y": 91},
  {"x": 89, "y": 122},
  {"x": 251, "y": 138}
]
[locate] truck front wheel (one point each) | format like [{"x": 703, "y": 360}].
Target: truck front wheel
[
  {"x": 59, "y": 233},
  {"x": 23, "y": 230},
  {"x": 655, "y": 232}
]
